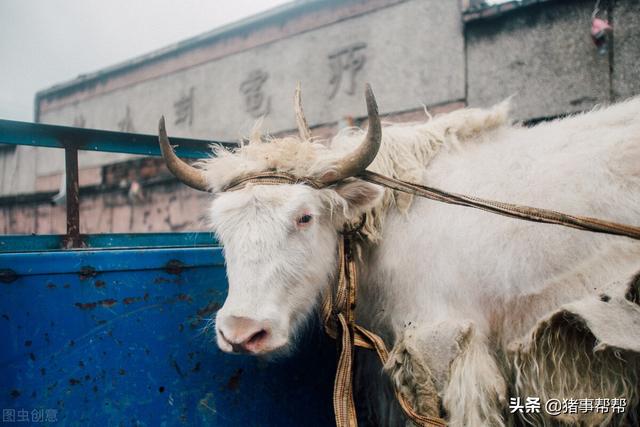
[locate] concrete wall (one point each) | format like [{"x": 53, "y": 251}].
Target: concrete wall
[
  {"x": 626, "y": 52},
  {"x": 543, "y": 55},
  {"x": 412, "y": 53}
]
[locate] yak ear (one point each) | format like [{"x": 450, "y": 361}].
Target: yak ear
[{"x": 359, "y": 196}]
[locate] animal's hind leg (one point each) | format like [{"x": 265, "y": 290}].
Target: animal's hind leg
[
  {"x": 449, "y": 364},
  {"x": 475, "y": 393}
]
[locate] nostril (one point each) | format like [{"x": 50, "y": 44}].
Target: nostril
[
  {"x": 257, "y": 337},
  {"x": 240, "y": 334}
]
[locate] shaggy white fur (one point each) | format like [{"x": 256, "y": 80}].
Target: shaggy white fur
[
  {"x": 478, "y": 308},
  {"x": 405, "y": 151}
]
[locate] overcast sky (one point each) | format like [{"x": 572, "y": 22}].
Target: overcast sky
[{"x": 44, "y": 42}]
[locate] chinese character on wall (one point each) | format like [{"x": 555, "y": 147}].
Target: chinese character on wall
[
  {"x": 184, "y": 108},
  {"x": 345, "y": 63},
  {"x": 256, "y": 102}
]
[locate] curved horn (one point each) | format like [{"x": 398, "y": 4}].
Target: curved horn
[
  {"x": 189, "y": 175},
  {"x": 303, "y": 127},
  {"x": 358, "y": 160}
]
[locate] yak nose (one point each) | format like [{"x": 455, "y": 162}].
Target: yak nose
[{"x": 245, "y": 335}]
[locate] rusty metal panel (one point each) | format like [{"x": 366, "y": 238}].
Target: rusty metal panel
[{"x": 115, "y": 337}]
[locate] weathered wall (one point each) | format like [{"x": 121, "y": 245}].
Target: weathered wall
[
  {"x": 412, "y": 53},
  {"x": 626, "y": 51},
  {"x": 543, "y": 55},
  {"x": 167, "y": 207}
]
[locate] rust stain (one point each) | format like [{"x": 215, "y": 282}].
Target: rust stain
[
  {"x": 131, "y": 300},
  {"x": 91, "y": 305},
  {"x": 212, "y": 307},
  {"x": 174, "y": 266},
  {"x": 87, "y": 272},
  {"x": 86, "y": 305},
  {"x": 234, "y": 380},
  {"x": 51, "y": 285},
  {"x": 100, "y": 284},
  {"x": 183, "y": 297},
  {"x": 107, "y": 302},
  {"x": 7, "y": 275},
  {"x": 74, "y": 381}
]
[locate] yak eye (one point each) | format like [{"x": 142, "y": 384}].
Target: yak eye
[{"x": 305, "y": 219}]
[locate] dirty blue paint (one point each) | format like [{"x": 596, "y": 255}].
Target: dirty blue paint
[{"x": 115, "y": 337}]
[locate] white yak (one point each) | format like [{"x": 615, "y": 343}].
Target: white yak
[{"x": 476, "y": 308}]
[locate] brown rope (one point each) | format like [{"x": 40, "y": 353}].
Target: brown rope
[
  {"x": 338, "y": 312},
  {"x": 526, "y": 213},
  {"x": 270, "y": 178}
]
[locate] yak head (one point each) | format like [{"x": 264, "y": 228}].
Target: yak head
[{"x": 280, "y": 239}]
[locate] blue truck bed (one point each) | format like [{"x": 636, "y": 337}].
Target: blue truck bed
[
  {"x": 111, "y": 336},
  {"x": 110, "y": 329}
]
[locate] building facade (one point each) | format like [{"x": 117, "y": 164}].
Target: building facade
[{"x": 437, "y": 54}]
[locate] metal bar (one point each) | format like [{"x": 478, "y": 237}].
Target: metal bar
[
  {"x": 41, "y": 135},
  {"x": 72, "y": 239},
  {"x": 39, "y": 243}
]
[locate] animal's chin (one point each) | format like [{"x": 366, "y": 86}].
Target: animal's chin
[
  {"x": 271, "y": 353},
  {"x": 276, "y": 353}
]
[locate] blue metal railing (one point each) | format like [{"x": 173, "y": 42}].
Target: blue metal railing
[
  {"x": 49, "y": 242},
  {"x": 72, "y": 139},
  {"x": 41, "y": 135}
]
